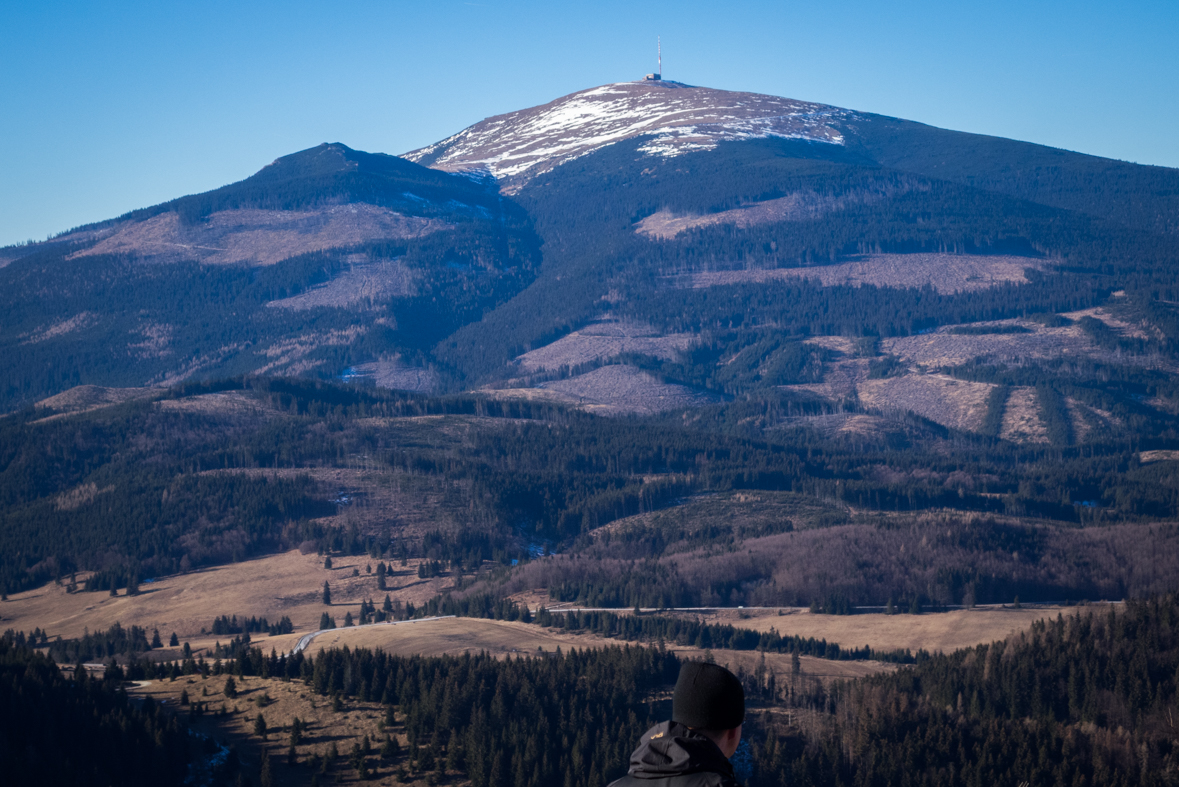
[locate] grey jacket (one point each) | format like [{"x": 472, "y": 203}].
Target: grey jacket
[{"x": 671, "y": 755}]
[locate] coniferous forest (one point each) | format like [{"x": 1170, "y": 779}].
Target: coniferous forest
[{"x": 1084, "y": 699}]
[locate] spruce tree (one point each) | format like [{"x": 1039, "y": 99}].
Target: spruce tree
[
  {"x": 327, "y": 594},
  {"x": 260, "y": 726},
  {"x": 174, "y": 641},
  {"x": 266, "y": 775}
]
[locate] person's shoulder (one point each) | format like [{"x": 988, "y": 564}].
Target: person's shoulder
[{"x": 698, "y": 779}]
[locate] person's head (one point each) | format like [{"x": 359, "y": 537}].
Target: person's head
[{"x": 710, "y": 699}]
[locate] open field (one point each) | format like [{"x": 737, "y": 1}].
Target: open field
[
  {"x": 286, "y": 700},
  {"x": 501, "y": 638},
  {"x": 288, "y": 584},
  {"x": 946, "y": 273},
  {"x": 602, "y": 340},
  {"x": 941, "y": 631}
]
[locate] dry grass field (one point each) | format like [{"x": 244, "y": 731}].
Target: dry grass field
[
  {"x": 602, "y": 340},
  {"x": 946, "y": 273},
  {"x": 289, "y": 584},
  {"x": 941, "y": 631},
  {"x": 501, "y": 638},
  {"x": 279, "y": 703}
]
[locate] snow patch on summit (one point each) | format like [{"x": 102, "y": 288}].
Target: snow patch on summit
[{"x": 678, "y": 119}]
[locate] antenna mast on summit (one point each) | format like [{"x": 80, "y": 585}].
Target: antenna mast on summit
[{"x": 659, "y": 50}]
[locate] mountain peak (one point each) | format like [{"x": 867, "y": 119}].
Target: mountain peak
[{"x": 678, "y": 118}]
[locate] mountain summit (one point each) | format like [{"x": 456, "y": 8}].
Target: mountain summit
[{"x": 678, "y": 119}]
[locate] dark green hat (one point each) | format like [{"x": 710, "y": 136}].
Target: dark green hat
[{"x": 707, "y": 697}]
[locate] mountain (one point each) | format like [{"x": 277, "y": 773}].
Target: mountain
[
  {"x": 639, "y": 248},
  {"x": 326, "y": 260},
  {"x": 676, "y": 118}
]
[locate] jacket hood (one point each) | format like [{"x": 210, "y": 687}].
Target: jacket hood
[{"x": 670, "y": 749}]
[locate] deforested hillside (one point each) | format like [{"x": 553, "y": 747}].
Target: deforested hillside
[
  {"x": 806, "y": 505},
  {"x": 324, "y": 261},
  {"x": 757, "y": 243}
]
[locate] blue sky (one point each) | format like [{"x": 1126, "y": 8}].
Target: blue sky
[{"x": 107, "y": 107}]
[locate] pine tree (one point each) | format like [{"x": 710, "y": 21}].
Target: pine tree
[
  {"x": 174, "y": 641},
  {"x": 266, "y": 776},
  {"x": 381, "y": 576},
  {"x": 230, "y": 689},
  {"x": 155, "y": 639},
  {"x": 327, "y": 562},
  {"x": 327, "y": 594},
  {"x": 260, "y": 726}
]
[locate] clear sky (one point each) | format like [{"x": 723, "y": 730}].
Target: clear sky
[{"x": 110, "y": 106}]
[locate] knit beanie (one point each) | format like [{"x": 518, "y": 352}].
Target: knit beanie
[{"x": 707, "y": 697}]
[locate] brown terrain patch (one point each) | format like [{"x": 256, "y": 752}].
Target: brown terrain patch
[
  {"x": 954, "y": 403},
  {"x": 395, "y": 375},
  {"x": 799, "y": 206},
  {"x": 366, "y": 281},
  {"x": 84, "y": 398},
  {"x": 78, "y": 322},
  {"x": 613, "y": 390},
  {"x": 943, "y": 632},
  {"x": 602, "y": 340},
  {"x": 259, "y": 237},
  {"x": 839, "y": 344},
  {"x": 280, "y": 702},
  {"x": 1146, "y": 457},
  {"x": 229, "y": 404},
  {"x": 88, "y": 397},
  {"x": 1141, "y": 330},
  {"x": 943, "y": 348},
  {"x": 1021, "y": 418},
  {"x": 288, "y": 584},
  {"x": 841, "y": 379},
  {"x": 290, "y": 355},
  {"x": 946, "y": 273},
  {"x": 501, "y": 638},
  {"x": 81, "y": 495}
]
